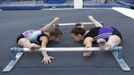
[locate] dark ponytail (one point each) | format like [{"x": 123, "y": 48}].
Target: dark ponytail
[
  {"x": 77, "y": 24},
  {"x": 78, "y": 30}
]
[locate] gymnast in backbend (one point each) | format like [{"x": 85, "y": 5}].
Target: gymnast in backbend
[
  {"x": 34, "y": 39},
  {"x": 105, "y": 36}
]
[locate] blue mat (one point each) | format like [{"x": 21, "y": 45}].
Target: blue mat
[
  {"x": 125, "y": 4},
  {"x": 21, "y": 7},
  {"x": 40, "y": 5}
]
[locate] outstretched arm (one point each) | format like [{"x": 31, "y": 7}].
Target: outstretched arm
[
  {"x": 95, "y": 22},
  {"x": 88, "y": 43},
  {"x": 49, "y": 25},
  {"x": 46, "y": 58}
]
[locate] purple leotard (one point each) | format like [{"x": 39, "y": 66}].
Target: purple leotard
[
  {"x": 104, "y": 32},
  {"x": 28, "y": 33}
]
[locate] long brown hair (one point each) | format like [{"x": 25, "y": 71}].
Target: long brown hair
[{"x": 55, "y": 31}]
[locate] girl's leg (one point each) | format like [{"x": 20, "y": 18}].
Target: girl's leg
[
  {"x": 114, "y": 40},
  {"x": 24, "y": 42}
]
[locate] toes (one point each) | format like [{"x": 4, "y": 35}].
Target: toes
[{"x": 34, "y": 46}]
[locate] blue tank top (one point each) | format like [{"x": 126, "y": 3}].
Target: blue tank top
[{"x": 33, "y": 35}]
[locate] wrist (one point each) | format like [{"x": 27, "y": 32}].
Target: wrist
[
  {"x": 45, "y": 55},
  {"x": 43, "y": 46},
  {"x": 88, "y": 46}
]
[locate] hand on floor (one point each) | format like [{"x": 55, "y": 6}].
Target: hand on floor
[{"x": 47, "y": 59}]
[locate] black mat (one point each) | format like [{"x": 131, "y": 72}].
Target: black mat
[{"x": 12, "y": 23}]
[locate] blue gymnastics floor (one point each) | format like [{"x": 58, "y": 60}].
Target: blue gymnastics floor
[{"x": 12, "y": 23}]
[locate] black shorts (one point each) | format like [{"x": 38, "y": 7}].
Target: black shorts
[{"x": 38, "y": 38}]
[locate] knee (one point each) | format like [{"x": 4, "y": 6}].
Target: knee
[{"x": 22, "y": 41}]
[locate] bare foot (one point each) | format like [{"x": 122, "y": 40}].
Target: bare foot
[
  {"x": 87, "y": 53},
  {"x": 34, "y": 46},
  {"x": 102, "y": 44}
]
